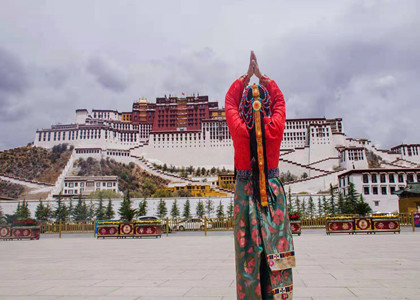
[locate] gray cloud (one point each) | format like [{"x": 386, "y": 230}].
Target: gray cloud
[
  {"x": 107, "y": 74},
  {"x": 356, "y": 60},
  {"x": 13, "y": 77}
]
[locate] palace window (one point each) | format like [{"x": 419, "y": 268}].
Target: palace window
[
  {"x": 374, "y": 179},
  {"x": 366, "y": 190},
  {"x": 391, "y": 178},
  {"x": 400, "y": 177},
  {"x": 383, "y": 190},
  {"x": 375, "y": 190},
  {"x": 383, "y": 178},
  {"x": 392, "y": 189},
  {"x": 410, "y": 178},
  {"x": 376, "y": 203},
  {"x": 365, "y": 178}
]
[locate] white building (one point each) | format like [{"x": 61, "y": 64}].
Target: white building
[
  {"x": 74, "y": 185},
  {"x": 378, "y": 185},
  {"x": 315, "y": 150}
]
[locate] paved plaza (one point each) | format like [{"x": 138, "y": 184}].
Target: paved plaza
[{"x": 191, "y": 266}]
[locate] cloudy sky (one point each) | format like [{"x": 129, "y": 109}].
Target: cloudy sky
[{"x": 358, "y": 60}]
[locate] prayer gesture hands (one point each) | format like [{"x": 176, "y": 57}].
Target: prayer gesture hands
[{"x": 253, "y": 68}]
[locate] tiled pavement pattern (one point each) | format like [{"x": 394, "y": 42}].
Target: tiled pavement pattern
[{"x": 191, "y": 266}]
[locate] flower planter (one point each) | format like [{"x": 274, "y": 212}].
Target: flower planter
[
  {"x": 363, "y": 225},
  {"x": 126, "y": 230},
  {"x": 371, "y": 224},
  {"x": 339, "y": 226},
  {"x": 295, "y": 226},
  {"x": 386, "y": 225},
  {"x": 111, "y": 230},
  {"x": 143, "y": 230},
  {"x": 135, "y": 229},
  {"x": 20, "y": 232}
]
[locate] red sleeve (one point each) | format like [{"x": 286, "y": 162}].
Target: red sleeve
[
  {"x": 274, "y": 126},
  {"x": 236, "y": 125}
]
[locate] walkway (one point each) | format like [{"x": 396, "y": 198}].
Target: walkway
[{"x": 190, "y": 266}]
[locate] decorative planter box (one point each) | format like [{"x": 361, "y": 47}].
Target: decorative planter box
[
  {"x": 111, "y": 230},
  {"x": 386, "y": 225},
  {"x": 340, "y": 226},
  {"x": 296, "y": 227},
  {"x": 363, "y": 224},
  {"x": 126, "y": 229},
  {"x": 5, "y": 232},
  {"x": 372, "y": 224},
  {"x": 20, "y": 233},
  {"x": 119, "y": 229},
  {"x": 142, "y": 230}
]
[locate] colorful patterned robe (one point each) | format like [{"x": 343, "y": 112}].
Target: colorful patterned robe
[{"x": 264, "y": 249}]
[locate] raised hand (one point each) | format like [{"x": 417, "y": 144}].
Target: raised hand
[
  {"x": 251, "y": 65},
  {"x": 256, "y": 68}
]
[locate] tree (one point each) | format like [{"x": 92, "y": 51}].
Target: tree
[
  {"x": 126, "y": 212},
  {"x": 325, "y": 207},
  {"x": 42, "y": 212},
  {"x": 320, "y": 211},
  {"x": 362, "y": 208},
  {"x": 91, "y": 211},
  {"x": 109, "y": 213},
  {"x": 175, "y": 210},
  {"x": 148, "y": 187},
  {"x": 220, "y": 211},
  {"x": 61, "y": 211},
  {"x": 351, "y": 200},
  {"x": 23, "y": 211},
  {"x": 142, "y": 208},
  {"x": 289, "y": 199},
  {"x": 303, "y": 209},
  {"x": 70, "y": 209},
  {"x": 311, "y": 207},
  {"x": 200, "y": 210},
  {"x": 183, "y": 193},
  {"x": 80, "y": 210},
  {"x": 2, "y": 217},
  {"x": 100, "y": 210},
  {"x": 209, "y": 207},
  {"x": 229, "y": 211},
  {"x": 203, "y": 171},
  {"x": 162, "y": 193},
  {"x": 162, "y": 210},
  {"x": 297, "y": 203},
  {"x": 340, "y": 203},
  {"x": 187, "y": 209},
  {"x": 332, "y": 200}
]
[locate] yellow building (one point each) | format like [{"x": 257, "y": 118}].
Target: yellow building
[
  {"x": 126, "y": 116},
  {"x": 226, "y": 181},
  {"x": 409, "y": 201},
  {"x": 218, "y": 113},
  {"x": 196, "y": 190}
]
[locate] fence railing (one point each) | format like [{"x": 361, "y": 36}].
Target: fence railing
[
  {"x": 67, "y": 228},
  {"x": 196, "y": 224}
]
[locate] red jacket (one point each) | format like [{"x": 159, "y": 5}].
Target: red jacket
[{"x": 274, "y": 125}]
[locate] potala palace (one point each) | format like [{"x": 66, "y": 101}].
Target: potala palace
[{"x": 192, "y": 131}]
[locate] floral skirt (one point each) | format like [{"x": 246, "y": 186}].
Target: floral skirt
[{"x": 264, "y": 251}]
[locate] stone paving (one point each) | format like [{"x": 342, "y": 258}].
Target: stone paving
[{"x": 191, "y": 266}]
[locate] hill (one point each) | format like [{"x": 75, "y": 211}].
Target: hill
[
  {"x": 131, "y": 177},
  {"x": 35, "y": 163},
  {"x": 11, "y": 190}
]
